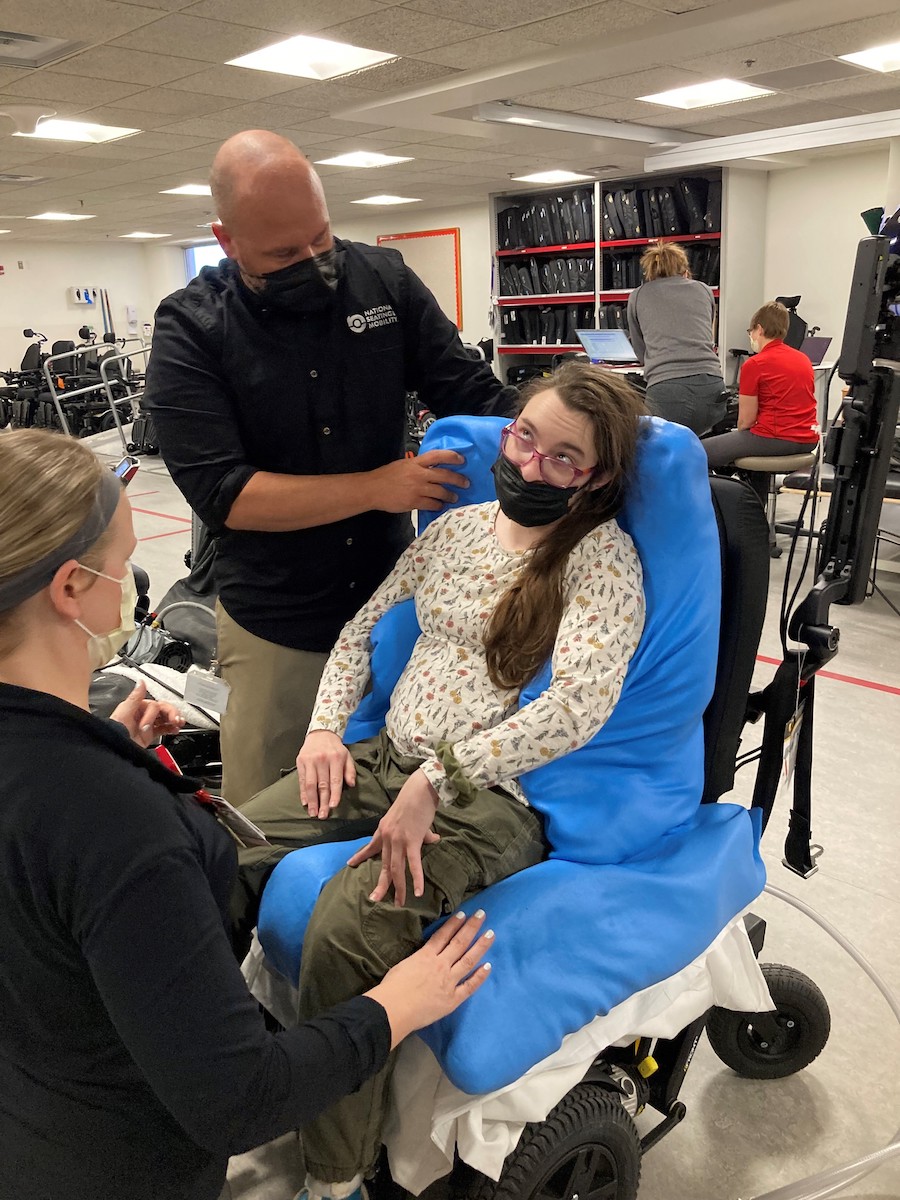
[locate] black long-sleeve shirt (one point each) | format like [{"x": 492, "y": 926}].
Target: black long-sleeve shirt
[
  {"x": 133, "y": 1060},
  {"x": 237, "y": 386}
]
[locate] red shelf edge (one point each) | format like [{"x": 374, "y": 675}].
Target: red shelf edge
[
  {"x": 568, "y": 246},
  {"x": 545, "y": 298}
]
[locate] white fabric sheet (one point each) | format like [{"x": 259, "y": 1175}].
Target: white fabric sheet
[{"x": 429, "y": 1118}]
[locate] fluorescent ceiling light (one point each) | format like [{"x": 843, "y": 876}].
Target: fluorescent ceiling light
[
  {"x": 5, "y": 231},
  {"x": 521, "y": 121},
  {"x": 139, "y": 234},
  {"x": 550, "y": 177},
  {"x": 58, "y": 216},
  {"x": 189, "y": 189},
  {"x": 311, "y": 58},
  {"x": 705, "y": 95},
  {"x": 361, "y": 158},
  {"x": 879, "y": 58},
  {"x": 59, "y": 130},
  {"x": 389, "y": 200}
]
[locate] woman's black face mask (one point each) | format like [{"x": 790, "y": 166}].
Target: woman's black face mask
[
  {"x": 528, "y": 504},
  {"x": 303, "y": 287}
]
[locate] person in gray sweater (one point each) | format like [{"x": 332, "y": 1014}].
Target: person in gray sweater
[{"x": 671, "y": 319}]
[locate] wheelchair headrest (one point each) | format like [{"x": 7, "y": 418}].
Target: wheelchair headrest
[{"x": 789, "y": 302}]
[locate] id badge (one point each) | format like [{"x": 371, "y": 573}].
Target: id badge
[
  {"x": 206, "y": 690},
  {"x": 789, "y": 753}
]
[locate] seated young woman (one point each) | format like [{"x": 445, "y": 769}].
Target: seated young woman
[{"x": 543, "y": 573}]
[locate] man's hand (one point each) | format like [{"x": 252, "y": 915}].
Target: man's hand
[
  {"x": 146, "y": 720},
  {"x": 421, "y": 483},
  {"x": 399, "y": 838},
  {"x": 324, "y": 765}
]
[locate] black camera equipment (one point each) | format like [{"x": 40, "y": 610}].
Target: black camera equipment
[{"x": 858, "y": 447}]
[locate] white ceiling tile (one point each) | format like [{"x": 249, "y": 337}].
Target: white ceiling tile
[
  {"x": 10, "y": 75},
  {"x": 872, "y": 102},
  {"x": 265, "y": 114},
  {"x": 177, "y": 103},
  {"x": 868, "y": 86},
  {"x": 401, "y": 31},
  {"x": 286, "y": 16},
  {"x": 800, "y": 114},
  {"x": 233, "y": 83},
  {"x": 81, "y": 20},
  {"x": 191, "y": 37},
  {"x": 485, "y": 50},
  {"x": 611, "y": 16},
  {"x": 638, "y": 111},
  {"x": 752, "y": 60},
  {"x": 335, "y": 126},
  {"x": 499, "y": 14},
  {"x": 324, "y": 95},
  {"x": 572, "y": 99},
  {"x": 850, "y": 36},
  {"x": 131, "y": 118},
  {"x": 396, "y": 76},
  {"x": 49, "y": 85},
  {"x": 164, "y": 5},
  {"x": 678, "y": 6},
  {"x": 149, "y": 70},
  {"x": 647, "y": 83}
]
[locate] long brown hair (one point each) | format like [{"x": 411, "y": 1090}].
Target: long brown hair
[{"x": 522, "y": 630}]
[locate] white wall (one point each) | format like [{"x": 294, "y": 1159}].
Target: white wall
[
  {"x": 473, "y": 221},
  {"x": 812, "y": 231},
  {"x": 35, "y": 295}
]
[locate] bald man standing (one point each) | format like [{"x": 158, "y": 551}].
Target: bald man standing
[{"x": 278, "y": 386}]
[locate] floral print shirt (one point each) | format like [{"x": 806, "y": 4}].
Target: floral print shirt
[{"x": 457, "y": 571}]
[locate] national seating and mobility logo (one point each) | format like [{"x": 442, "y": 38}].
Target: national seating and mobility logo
[{"x": 372, "y": 318}]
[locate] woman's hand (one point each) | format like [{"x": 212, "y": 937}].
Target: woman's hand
[
  {"x": 436, "y": 979},
  {"x": 399, "y": 838},
  {"x": 146, "y": 720},
  {"x": 324, "y": 765}
]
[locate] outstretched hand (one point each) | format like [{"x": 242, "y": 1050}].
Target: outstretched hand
[
  {"x": 436, "y": 979},
  {"x": 146, "y": 720},
  {"x": 422, "y": 483},
  {"x": 399, "y": 838}
]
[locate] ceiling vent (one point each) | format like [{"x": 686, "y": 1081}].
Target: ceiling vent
[{"x": 27, "y": 50}]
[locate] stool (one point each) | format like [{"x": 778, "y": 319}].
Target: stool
[{"x": 760, "y": 472}]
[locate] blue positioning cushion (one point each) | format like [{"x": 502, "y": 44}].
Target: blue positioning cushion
[{"x": 641, "y": 877}]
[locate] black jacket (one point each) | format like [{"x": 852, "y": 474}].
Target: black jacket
[
  {"x": 133, "y": 1060},
  {"x": 237, "y": 386}
]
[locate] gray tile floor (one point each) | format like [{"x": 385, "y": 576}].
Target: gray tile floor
[{"x": 741, "y": 1138}]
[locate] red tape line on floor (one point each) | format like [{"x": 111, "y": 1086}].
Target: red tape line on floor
[{"x": 866, "y": 683}]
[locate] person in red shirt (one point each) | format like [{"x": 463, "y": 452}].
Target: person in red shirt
[{"x": 777, "y": 401}]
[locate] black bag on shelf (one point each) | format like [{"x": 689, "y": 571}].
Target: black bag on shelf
[
  {"x": 545, "y": 282},
  {"x": 613, "y": 230},
  {"x": 509, "y": 327},
  {"x": 509, "y": 229},
  {"x": 523, "y": 278},
  {"x": 570, "y": 337},
  {"x": 583, "y": 214},
  {"x": 554, "y": 222},
  {"x": 656, "y": 221},
  {"x": 567, "y": 220},
  {"x": 509, "y": 280},
  {"x": 693, "y": 194},
  {"x": 643, "y": 202},
  {"x": 631, "y": 214},
  {"x": 531, "y": 324},
  {"x": 586, "y": 316},
  {"x": 529, "y": 225},
  {"x": 712, "y": 220},
  {"x": 542, "y": 233},
  {"x": 668, "y": 212}
]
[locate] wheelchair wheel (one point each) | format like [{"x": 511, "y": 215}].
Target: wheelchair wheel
[
  {"x": 588, "y": 1146},
  {"x": 804, "y": 1020}
]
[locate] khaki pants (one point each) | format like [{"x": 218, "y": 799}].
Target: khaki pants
[
  {"x": 351, "y": 943},
  {"x": 273, "y": 689}
]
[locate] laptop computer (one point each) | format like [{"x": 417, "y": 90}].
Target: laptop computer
[
  {"x": 608, "y": 346},
  {"x": 815, "y": 349}
]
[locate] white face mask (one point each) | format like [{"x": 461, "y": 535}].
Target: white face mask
[
  {"x": 754, "y": 345},
  {"x": 105, "y": 646}
]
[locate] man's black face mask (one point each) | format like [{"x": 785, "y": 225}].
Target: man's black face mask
[{"x": 304, "y": 287}]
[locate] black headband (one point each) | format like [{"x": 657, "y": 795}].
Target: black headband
[{"x": 28, "y": 582}]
